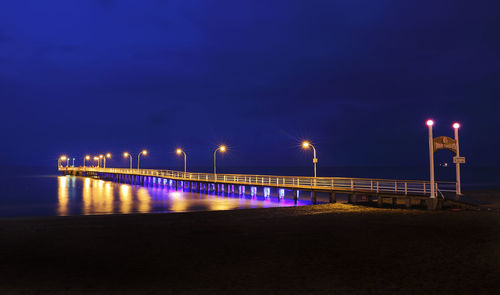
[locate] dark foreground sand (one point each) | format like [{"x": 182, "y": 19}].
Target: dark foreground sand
[{"x": 323, "y": 249}]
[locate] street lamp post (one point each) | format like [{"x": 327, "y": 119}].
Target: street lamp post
[
  {"x": 456, "y": 126},
  {"x": 125, "y": 154},
  {"x": 307, "y": 144},
  {"x": 431, "y": 158},
  {"x": 86, "y": 158},
  {"x": 73, "y": 165},
  {"x": 96, "y": 159},
  {"x": 180, "y": 151},
  {"x": 108, "y": 155},
  {"x": 144, "y": 152},
  {"x": 222, "y": 148}
]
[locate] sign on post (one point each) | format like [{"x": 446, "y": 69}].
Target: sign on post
[{"x": 445, "y": 142}]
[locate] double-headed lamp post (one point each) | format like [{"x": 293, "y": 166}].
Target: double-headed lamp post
[
  {"x": 126, "y": 154},
  {"x": 221, "y": 148},
  {"x": 86, "y": 158},
  {"x": 103, "y": 157},
  {"x": 306, "y": 145},
  {"x": 144, "y": 152},
  {"x": 180, "y": 151}
]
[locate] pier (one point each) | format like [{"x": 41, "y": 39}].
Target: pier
[{"x": 394, "y": 192}]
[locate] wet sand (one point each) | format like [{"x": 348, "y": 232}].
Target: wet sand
[{"x": 322, "y": 249}]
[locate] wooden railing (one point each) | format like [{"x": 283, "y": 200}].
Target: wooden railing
[{"x": 390, "y": 186}]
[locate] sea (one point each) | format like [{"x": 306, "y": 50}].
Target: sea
[{"x": 43, "y": 191}]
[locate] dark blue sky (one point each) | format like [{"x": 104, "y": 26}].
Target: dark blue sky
[{"x": 358, "y": 78}]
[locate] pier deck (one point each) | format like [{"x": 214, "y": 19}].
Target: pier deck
[{"x": 409, "y": 190}]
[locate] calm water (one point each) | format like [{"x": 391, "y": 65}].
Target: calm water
[
  {"x": 42, "y": 192},
  {"x": 55, "y": 195}
]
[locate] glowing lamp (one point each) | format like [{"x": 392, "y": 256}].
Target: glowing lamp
[
  {"x": 87, "y": 157},
  {"x": 144, "y": 152},
  {"x": 96, "y": 158},
  {"x": 101, "y": 156},
  {"x": 125, "y": 154},
  {"x": 108, "y": 155},
  {"x": 305, "y": 144},
  {"x": 430, "y": 122},
  {"x": 63, "y": 158},
  {"x": 178, "y": 151},
  {"x": 456, "y": 125},
  {"x": 222, "y": 148}
]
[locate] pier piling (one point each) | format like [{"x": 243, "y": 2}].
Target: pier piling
[{"x": 333, "y": 197}]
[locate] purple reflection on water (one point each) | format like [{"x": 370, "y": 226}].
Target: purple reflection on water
[
  {"x": 50, "y": 195},
  {"x": 70, "y": 195}
]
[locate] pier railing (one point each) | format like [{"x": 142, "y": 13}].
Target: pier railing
[{"x": 369, "y": 185}]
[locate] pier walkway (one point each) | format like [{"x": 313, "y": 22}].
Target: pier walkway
[{"x": 358, "y": 189}]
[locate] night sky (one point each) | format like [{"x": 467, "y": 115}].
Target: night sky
[{"x": 357, "y": 78}]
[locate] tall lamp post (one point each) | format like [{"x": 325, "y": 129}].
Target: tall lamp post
[
  {"x": 125, "y": 154},
  {"x": 144, "y": 152},
  {"x": 180, "y": 151},
  {"x": 306, "y": 145},
  {"x": 456, "y": 126},
  {"x": 86, "y": 158},
  {"x": 222, "y": 148},
  {"x": 97, "y": 159},
  {"x": 430, "y": 123}
]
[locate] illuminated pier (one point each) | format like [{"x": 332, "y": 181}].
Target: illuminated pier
[{"x": 408, "y": 192}]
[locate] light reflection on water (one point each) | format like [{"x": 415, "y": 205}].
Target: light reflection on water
[
  {"x": 78, "y": 195},
  {"x": 62, "y": 196}
]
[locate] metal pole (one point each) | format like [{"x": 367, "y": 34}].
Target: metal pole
[
  {"x": 215, "y": 163},
  {"x": 431, "y": 160},
  {"x": 315, "y": 160},
  {"x": 130, "y": 156},
  {"x": 83, "y": 162},
  {"x": 138, "y": 159},
  {"x": 104, "y": 161},
  {"x": 459, "y": 191},
  {"x": 73, "y": 162},
  {"x": 185, "y": 160}
]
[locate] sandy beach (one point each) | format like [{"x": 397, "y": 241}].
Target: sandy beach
[{"x": 322, "y": 249}]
